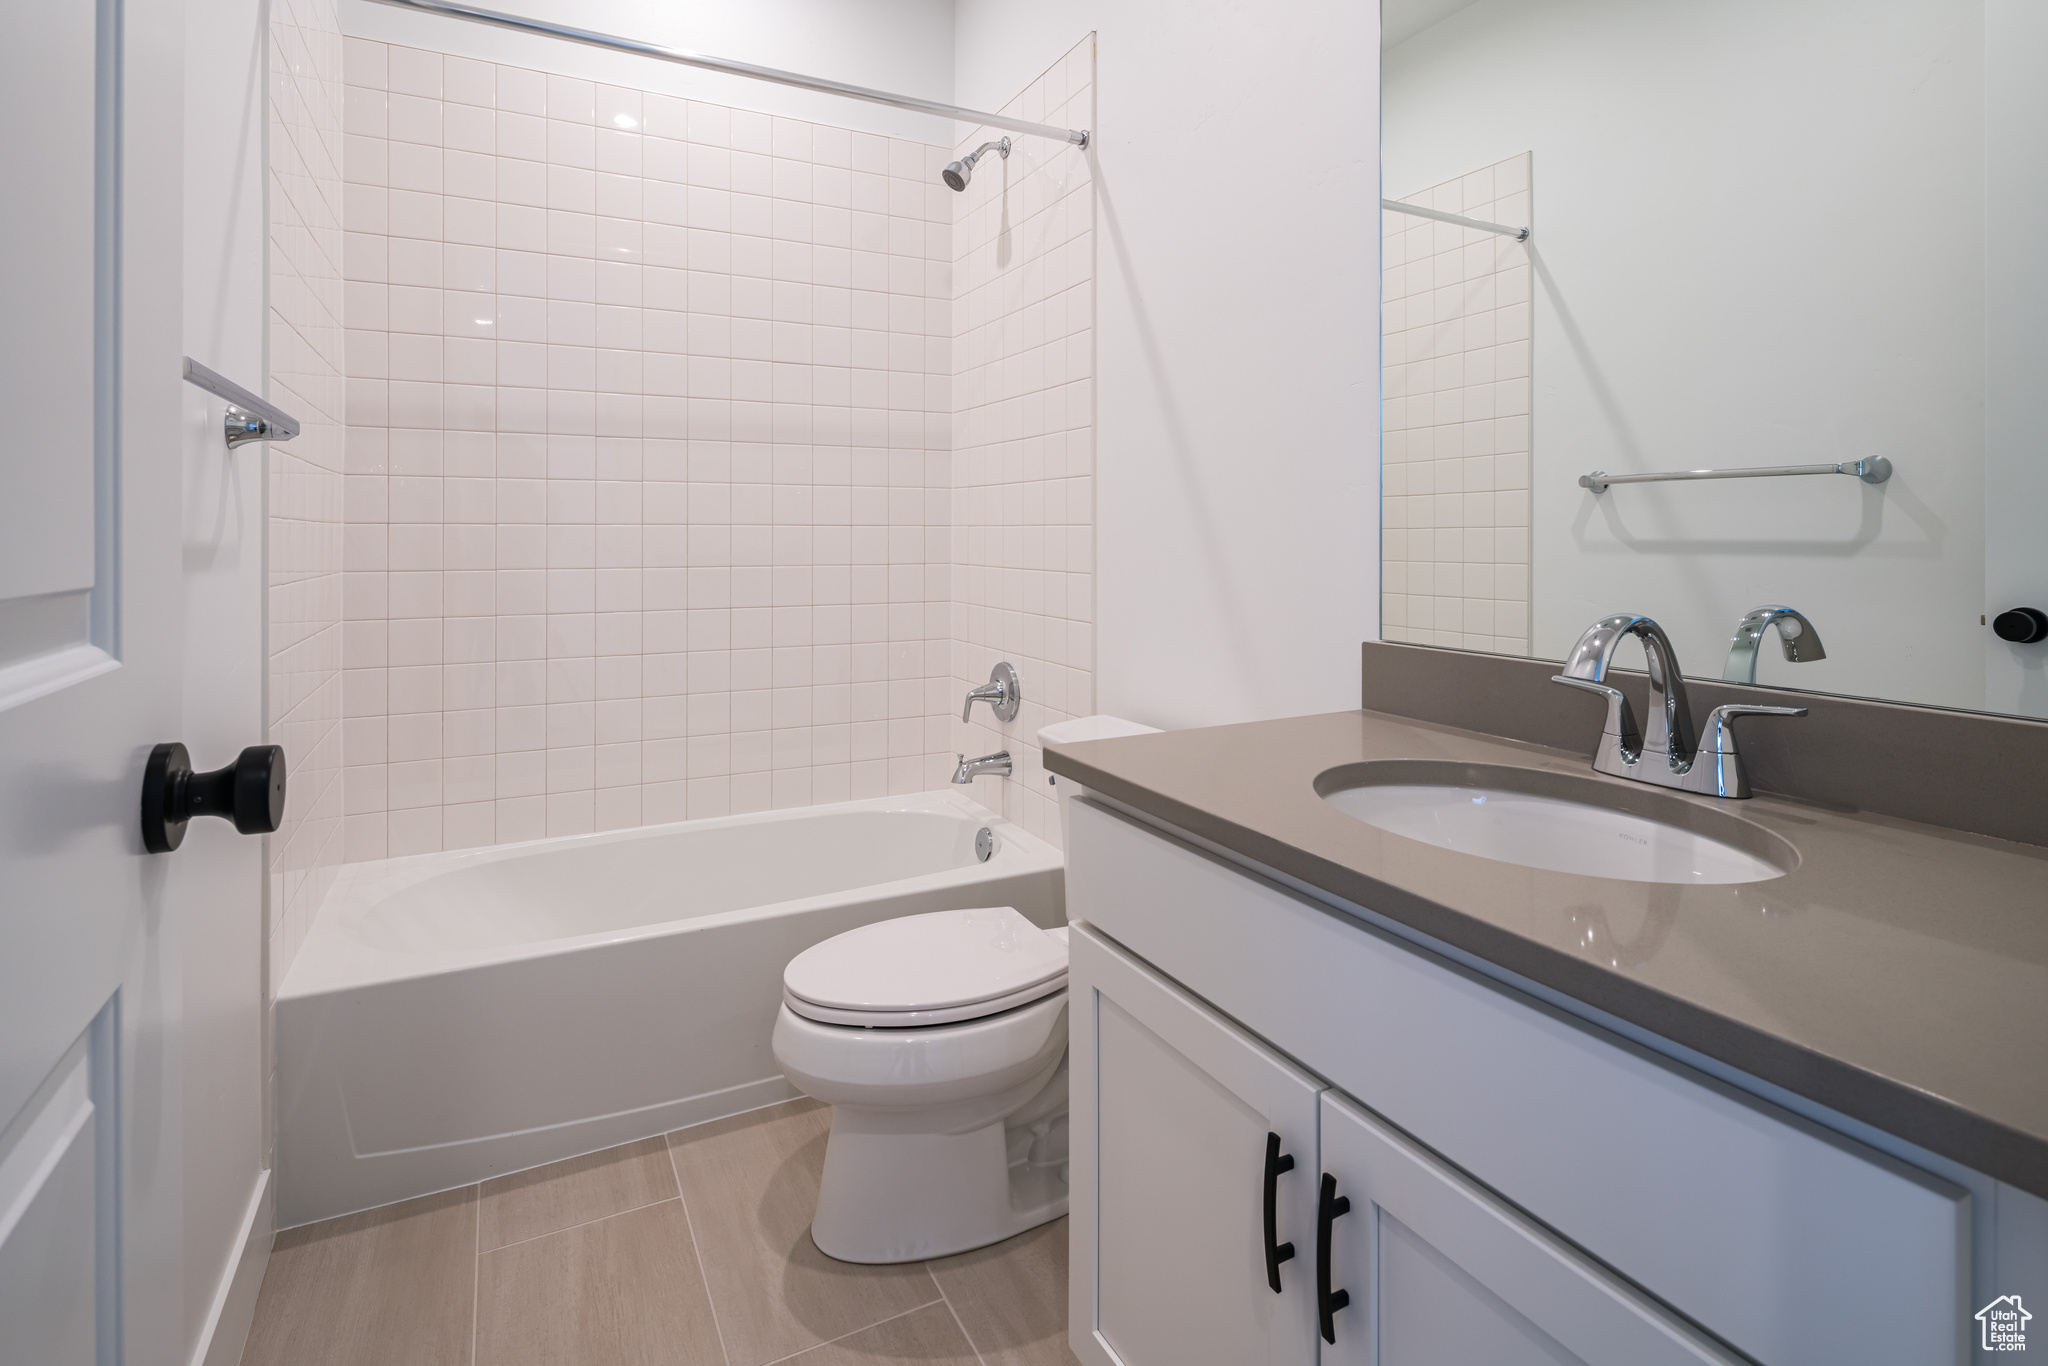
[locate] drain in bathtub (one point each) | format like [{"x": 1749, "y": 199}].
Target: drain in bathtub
[{"x": 984, "y": 844}]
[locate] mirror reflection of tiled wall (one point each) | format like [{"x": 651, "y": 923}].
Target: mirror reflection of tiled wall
[{"x": 1455, "y": 318}]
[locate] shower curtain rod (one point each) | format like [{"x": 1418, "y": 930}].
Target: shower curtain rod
[
  {"x": 475, "y": 15},
  {"x": 1396, "y": 206}
]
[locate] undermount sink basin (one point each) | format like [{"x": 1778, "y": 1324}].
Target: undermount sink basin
[{"x": 1541, "y": 819}]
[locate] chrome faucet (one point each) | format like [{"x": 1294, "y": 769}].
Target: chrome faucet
[
  {"x": 970, "y": 769},
  {"x": 1003, "y": 693},
  {"x": 1795, "y": 633},
  {"x": 1664, "y": 753}
]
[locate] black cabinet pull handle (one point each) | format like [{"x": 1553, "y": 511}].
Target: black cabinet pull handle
[
  {"x": 249, "y": 792},
  {"x": 1329, "y": 1205},
  {"x": 1276, "y": 1251}
]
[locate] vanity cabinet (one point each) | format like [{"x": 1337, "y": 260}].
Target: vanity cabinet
[
  {"x": 1194, "y": 1126},
  {"x": 1434, "y": 1270},
  {"x": 1522, "y": 1185}
]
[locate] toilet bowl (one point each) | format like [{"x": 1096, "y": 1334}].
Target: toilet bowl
[{"x": 940, "y": 1041}]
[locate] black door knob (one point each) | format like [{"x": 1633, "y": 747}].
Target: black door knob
[
  {"x": 2022, "y": 625},
  {"x": 249, "y": 792}
]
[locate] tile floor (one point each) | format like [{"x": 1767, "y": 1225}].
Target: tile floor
[{"x": 689, "y": 1250}]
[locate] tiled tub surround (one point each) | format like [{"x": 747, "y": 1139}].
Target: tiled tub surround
[
  {"x": 1455, "y": 502},
  {"x": 688, "y": 1250},
  {"x": 649, "y": 426},
  {"x": 305, "y": 563},
  {"x": 1023, "y": 431}
]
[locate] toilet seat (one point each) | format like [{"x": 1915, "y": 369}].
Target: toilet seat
[{"x": 923, "y": 970}]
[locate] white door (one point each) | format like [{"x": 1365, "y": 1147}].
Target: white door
[
  {"x": 95, "y": 1238},
  {"x": 1184, "y": 1128},
  {"x": 1418, "y": 1266}
]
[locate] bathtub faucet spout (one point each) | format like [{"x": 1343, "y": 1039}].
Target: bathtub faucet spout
[{"x": 970, "y": 769}]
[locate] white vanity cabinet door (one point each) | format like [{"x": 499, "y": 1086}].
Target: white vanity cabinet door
[
  {"x": 1171, "y": 1111},
  {"x": 1440, "y": 1272}
]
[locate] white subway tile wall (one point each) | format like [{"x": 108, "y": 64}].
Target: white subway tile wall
[
  {"x": 1024, "y": 455},
  {"x": 305, "y": 474},
  {"x": 1455, "y": 503},
  {"x": 649, "y": 433}
]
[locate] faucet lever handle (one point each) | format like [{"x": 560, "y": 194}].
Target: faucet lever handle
[
  {"x": 1002, "y": 692},
  {"x": 988, "y": 692},
  {"x": 1621, "y": 718},
  {"x": 1718, "y": 735}
]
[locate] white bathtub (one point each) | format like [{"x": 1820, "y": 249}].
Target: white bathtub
[{"x": 451, "y": 1017}]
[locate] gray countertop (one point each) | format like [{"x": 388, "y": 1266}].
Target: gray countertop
[{"x": 1898, "y": 975}]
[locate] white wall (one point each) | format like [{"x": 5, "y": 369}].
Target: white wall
[
  {"x": 2016, "y": 337},
  {"x": 1024, "y": 437},
  {"x": 903, "y": 46},
  {"x": 1758, "y": 240},
  {"x": 218, "y": 876},
  {"x": 1237, "y": 342},
  {"x": 305, "y": 474}
]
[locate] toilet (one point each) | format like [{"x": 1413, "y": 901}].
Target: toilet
[
  {"x": 1071, "y": 732},
  {"x": 940, "y": 1041}
]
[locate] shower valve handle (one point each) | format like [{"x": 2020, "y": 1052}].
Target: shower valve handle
[
  {"x": 1003, "y": 693},
  {"x": 249, "y": 792}
]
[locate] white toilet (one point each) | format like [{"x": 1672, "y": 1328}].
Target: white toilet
[
  {"x": 940, "y": 1042},
  {"x": 1079, "y": 729}
]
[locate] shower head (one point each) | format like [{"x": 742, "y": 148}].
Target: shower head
[{"x": 958, "y": 173}]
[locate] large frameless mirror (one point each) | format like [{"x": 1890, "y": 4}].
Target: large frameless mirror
[{"x": 1796, "y": 245}]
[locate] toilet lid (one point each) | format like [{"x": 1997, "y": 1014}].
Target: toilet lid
[{"x": 927, "y": 969}]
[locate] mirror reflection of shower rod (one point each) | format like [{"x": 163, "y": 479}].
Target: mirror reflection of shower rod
[
  {"x": 1396, "y": 206},
  {"x": 476, "y": 15}
]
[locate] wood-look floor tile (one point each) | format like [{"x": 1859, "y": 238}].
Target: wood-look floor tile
[
  {"x": 1012, "y": 1297},
  {"x": 547, "y": 1199},
  {"x": 751, "y": 1184},
  {"x": 389, "y": 1287},
  {"x": 923, "y": 1337},
  {"x": 623, "y": 1291}
]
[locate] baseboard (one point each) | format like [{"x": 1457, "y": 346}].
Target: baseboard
[{"x": 234, "y": 1303}]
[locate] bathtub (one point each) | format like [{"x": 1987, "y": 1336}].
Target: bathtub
[{"x": 451, "y": 1017}]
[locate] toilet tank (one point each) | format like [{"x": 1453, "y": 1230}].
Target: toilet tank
[{"x": 1078, "y": 729}]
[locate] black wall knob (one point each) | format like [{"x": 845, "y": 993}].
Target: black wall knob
[
  {"x": 249, "y": 792},
  {"x": 2022, "y": 625}
]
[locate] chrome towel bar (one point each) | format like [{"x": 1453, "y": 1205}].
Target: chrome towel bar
[
  {"x": 1874, "y": 470},
  {"x": 249, "y": 418}
]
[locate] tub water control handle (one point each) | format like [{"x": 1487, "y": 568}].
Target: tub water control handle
[
  {"x": 249, "y": 792},
  {"x": 1003, "y": 693}
]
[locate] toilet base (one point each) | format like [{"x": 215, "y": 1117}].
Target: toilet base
[{"x": 894, "y": 1196}]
